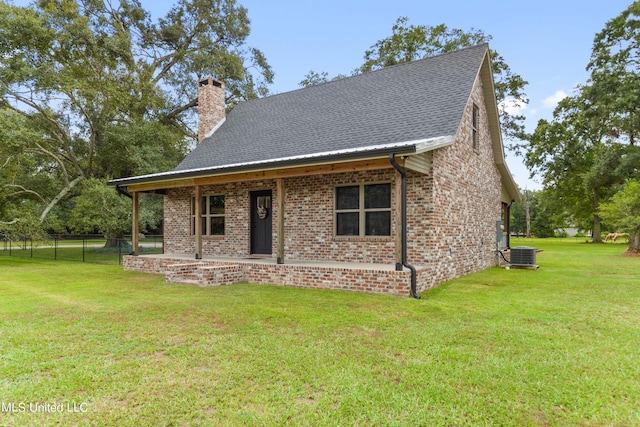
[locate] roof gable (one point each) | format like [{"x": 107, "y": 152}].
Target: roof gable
[
  {"x": 508, "y": 184},
  {"x": 413, "y": 101}
]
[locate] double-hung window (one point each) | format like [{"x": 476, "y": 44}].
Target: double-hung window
[
  {"x": 363, "y": 210},
  {"x": 212, "y": 215}
]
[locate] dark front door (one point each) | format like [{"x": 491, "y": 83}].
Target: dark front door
[{"x": 261, "y": 222}]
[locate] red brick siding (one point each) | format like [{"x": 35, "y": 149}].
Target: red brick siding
[
  {"x": 235, "y": 242},
  {"x": 309, "y": 221},
  {"x": 457, "y": 235},
  {"x": 451, "y": 214},
  {"x": 213, "y": 273},
  {"x": 309, "y": 232}
]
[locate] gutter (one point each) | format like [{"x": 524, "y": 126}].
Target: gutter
[{"x": 414, "y": 273}]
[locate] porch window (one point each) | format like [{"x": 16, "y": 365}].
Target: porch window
[
  {"x": 212, "y": 215},
  {"x": 363, "y": 210}
]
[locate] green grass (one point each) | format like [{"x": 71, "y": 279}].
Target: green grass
[{"x": 558, "y": 346}]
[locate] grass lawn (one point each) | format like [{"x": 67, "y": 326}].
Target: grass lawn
[{"x": 559, "y": 346}]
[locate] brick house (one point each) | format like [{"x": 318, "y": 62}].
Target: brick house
[{"x": 390, "y": 181}]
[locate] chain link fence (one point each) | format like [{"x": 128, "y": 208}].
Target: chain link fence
[{"x": 80, "y": 247}]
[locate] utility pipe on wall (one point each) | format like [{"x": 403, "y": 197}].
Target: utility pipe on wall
[{"x": 403, "y": 219}]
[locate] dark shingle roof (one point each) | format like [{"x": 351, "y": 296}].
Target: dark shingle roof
[{"x": 408, "y": 102}]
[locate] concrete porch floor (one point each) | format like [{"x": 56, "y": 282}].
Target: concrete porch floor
[{"x": 272, "y": 261}]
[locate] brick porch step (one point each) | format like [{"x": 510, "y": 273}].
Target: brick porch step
[{"x": 204, "y": 274}]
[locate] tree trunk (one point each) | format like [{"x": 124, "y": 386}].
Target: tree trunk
[
  {"x": 526, "y": 211},
  {"x": 112, "y": 242},
  {"x": 117, "y": 242},
  {"x": 597, "y": 227},
  {"x": 634, "y": 241}
]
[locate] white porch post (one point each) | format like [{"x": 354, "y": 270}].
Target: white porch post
[{"x": 135, "y": 227}]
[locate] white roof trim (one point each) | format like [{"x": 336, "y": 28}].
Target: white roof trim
[{"x": 364, "y": 150}]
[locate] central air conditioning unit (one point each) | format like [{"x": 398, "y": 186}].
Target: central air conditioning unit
[{"x": 523, "y": 256}]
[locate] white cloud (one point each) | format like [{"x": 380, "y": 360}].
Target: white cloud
[
  {"x": 512, "y": 106},
  {"x": 552, "y": 101}
]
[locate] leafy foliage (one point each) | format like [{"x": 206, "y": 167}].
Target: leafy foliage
[
  {"x": 577, "y": 161},
  {"x": 623, "y": 212},
  {"x": 588, "y": 149},
  {"x": 313, "y": 78},
  {"x": 543, "y": 220},
  {"x": 92, "y": 89},
  {"x": 100, "y": 209},
  {"x": 615, "y": 74}
]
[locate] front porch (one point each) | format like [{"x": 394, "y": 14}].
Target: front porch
[{"x": 215, "y": 271}]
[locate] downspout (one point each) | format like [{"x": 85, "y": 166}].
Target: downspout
[
  {"x": 123, "y": 192},
  {"x": 403, "y": 219}
]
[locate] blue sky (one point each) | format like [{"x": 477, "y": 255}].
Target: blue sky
[{"x": 547, "y": 42}]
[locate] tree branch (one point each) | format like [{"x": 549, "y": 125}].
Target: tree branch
[
  {"x": 63, "y": 136},
  {"x": 6, "y": 162},
  {"x": 175, "y": 56},
  {"x": 24, "y": 190},
  {"x": 57, "y": 159},
  {"x": 172, "y": 115},
  {"x": 59, "y": 197}
]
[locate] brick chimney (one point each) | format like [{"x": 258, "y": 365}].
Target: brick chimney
[{"x": 211, "y": 106}]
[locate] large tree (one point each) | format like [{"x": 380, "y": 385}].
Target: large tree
[
  {"x": 96, "y": 89},
  {"x": 588, "y": 149},
  {"x": 578, "y": 163},
  {"x": 615, "y": 75},
  {"x": 410, "y": 42}
]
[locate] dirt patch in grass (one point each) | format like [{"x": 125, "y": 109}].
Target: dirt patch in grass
[{"x": 631, "y": 254}]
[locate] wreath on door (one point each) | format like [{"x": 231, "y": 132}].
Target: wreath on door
[{"x": 262, "y": 212}]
